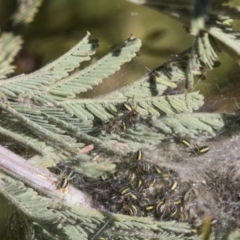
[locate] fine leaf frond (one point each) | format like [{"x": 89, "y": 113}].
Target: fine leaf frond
[
  {"x": 150, "y": 132},
  {"x": 53, "y": 218},
  {"x": 31, "y": 204},
  {"x": 191, "y": 125},
  {"x": 56, "y": 117},
  {"x": 166, "y": 3},
  {"x": 80, "y": 223},
  {"x": 168, "y": 236},
  {"x": 33, "y": 83},
  {"x": 19, "y": 133},
  {"x": 22, "y": 136},
  {"x": 102, "y": 108},
  {"x": 85, "y": 79},
  {"x": 59, "y": 117},
  {"x": 42, "y": 128},
  {"x": 26, "y": 11},
  {"x": 175, "y": 74},
  {"x": 51, "y": 125},
  {"x": 144, "y": 227},
  {"x": 217, "y": 25},
  {"x": 205, "y": 47},
  {"x": 51, "y": 157},
  {"x": 234, "y": 235},
  {"x": 168, "y": 77},
  {"x": 221, "y": 30},
  {"x": 9, "y": 46}
]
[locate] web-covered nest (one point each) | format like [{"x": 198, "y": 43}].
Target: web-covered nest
[{"x": 172, "y": 182}]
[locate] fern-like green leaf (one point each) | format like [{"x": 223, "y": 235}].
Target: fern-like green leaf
[
  {"x": 144, "y": 227},
  {"x": 26, "y": 11},
  {"x": 234, "y": 235},
  {"x": 33, "y": 120},
  {"x": 21, "y": 135},
  {"x": 217, "y": 25},
  {"x": 191, "y": 125},
  {"x": 33, "y": 83},
  {"x": 84, "y": 80},
  {"x": 9, "y": 45},
  {"x": 206, "y": 49},
  {"x": 222, "y": 31},
  {"x": 152, "y": 132},
  {"x": 168, "y": 236},
  {"x": 49, "y": 155},
  {"x": 81, "y": 223},
  {"x": 53, "y": 218},
  {"x": 31, "y": 204},
  {"x": 101, "y": 108},
  {"x": 46, "y": 111}
]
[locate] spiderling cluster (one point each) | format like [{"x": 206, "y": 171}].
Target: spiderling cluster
[{"x": 141, "y": 188}]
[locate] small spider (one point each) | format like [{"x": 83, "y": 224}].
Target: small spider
[
  {"x": 194, "y": 150},
  {"x": 131, "y": 115},
  {"x": 63, "y": 181},
  {"x": 197, "y": 151},
  {"x": 115, "y": 124}
]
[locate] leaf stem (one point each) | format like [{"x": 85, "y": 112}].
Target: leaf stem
[{"x": 41, "y": 180}]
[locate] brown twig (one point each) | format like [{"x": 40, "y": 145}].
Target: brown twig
[{"x": 42, "y": 180}]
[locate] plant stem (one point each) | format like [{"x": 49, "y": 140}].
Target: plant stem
[{"x": 42, "y": 180}]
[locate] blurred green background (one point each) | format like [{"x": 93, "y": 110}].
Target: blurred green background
[{"x": 60, "y": 24}]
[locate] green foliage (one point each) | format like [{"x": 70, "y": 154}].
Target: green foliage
[
  {"x": 56, "y": 115},
  {"x": 234, "y": 235},
  {"x": 36, "y": 83},
  {"x": 57, "y": 222},
  {"x": 61, "y": 222},
  {"x": 45, "y": 111},
  {"x": 84, "y": 80},
  {"x": 9, "y": 45},
  {"x": 26, "y": 11}
]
